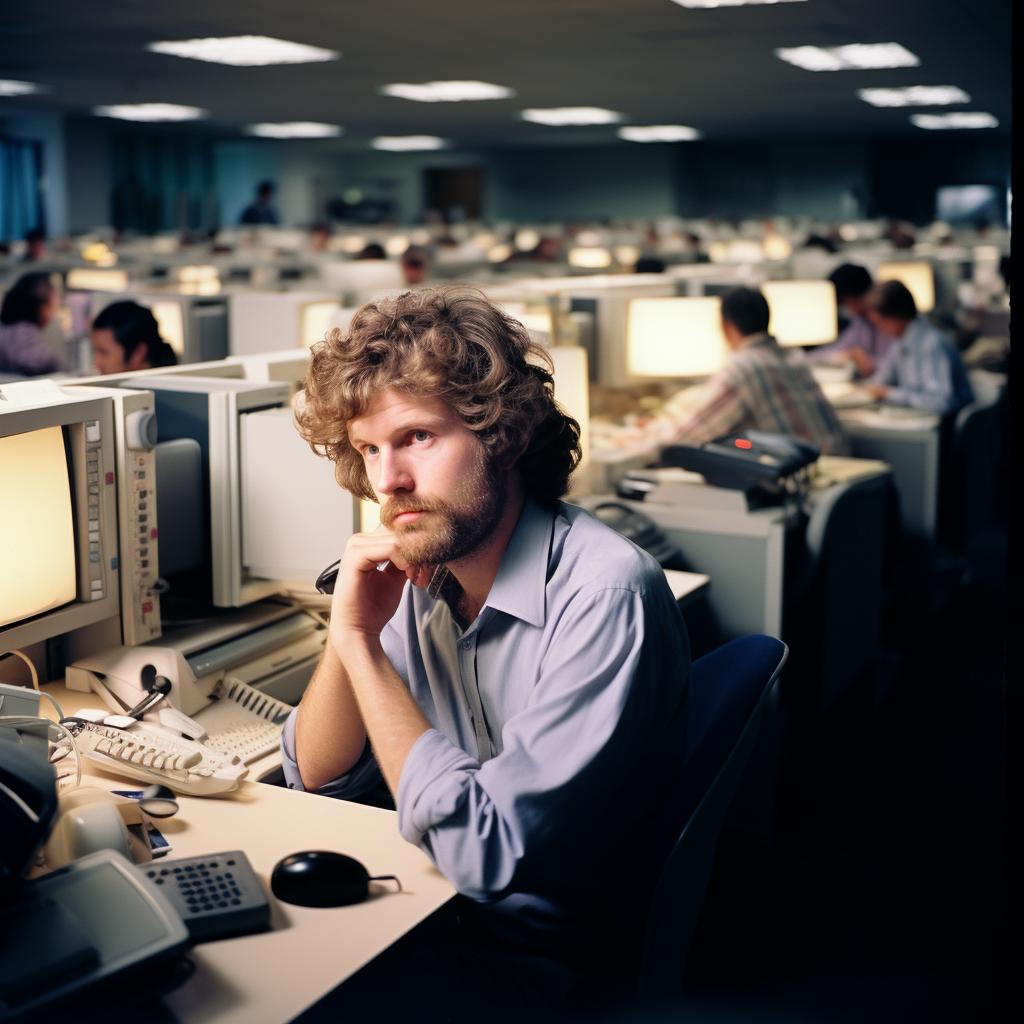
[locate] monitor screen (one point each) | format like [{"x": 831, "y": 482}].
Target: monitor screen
[
  {"x": 316, "y": 322},
  {"x": 958, "y": 204},
  {"x": 802, "y": 312},
  {"x": 917, "y": 275},
  {"x": 37, "y": 539},
  {"x": 675, "y": 337}
]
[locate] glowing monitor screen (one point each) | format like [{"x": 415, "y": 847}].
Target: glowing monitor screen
[
  {"x": 917, "y": 275},
  {"x": 316, "y": 321},
  {"x": 802, "y": 312},
  {"x": 170, "y": 323},
  {"x": 675, "y": 337},
  {"x": 37, "y": 541},
  {"x": 87, "y": 279}
]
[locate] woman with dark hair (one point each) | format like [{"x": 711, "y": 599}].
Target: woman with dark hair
[
  {"x": 125, "y": 336},
  {"x": 29, "y": 305}
]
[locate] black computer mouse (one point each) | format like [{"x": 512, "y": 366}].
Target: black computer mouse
[{"x": 320, "y": 878}]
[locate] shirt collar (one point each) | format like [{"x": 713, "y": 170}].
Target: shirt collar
[{"x": 519, "y": 587}]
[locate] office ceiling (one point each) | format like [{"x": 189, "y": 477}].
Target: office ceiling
[{"x": 652, "y": 60}]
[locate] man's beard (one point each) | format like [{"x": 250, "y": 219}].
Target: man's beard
[{"x": 454, "y": 527}]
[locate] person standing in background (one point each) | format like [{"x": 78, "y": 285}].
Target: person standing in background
[
  {"x": 260, "y": 211},
  {"x": 28, "y": 307}
]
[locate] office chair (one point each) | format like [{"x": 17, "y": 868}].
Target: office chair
[
  {"x": 832, "y": 602},
  {"x": 658, "y": 910}
]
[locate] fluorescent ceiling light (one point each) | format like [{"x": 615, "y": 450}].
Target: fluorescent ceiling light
[
  {"x": 729, "y": 3},
  {"x": 11, "y": 87},
  {"x": 408, "y": 143},
  {"x": 854, "y": 56},
  {"x": 914, "y": 96},
  {"x": 244, "y": 51},
  {"x": 558, "y": 116},
  {"x": 152, "y": 112},
  {"x": 295, "y": 130},
  {"x": 659, "y": 133},
  {"x": 957, "y": 119},
  {"x": 448, "y": 92}
]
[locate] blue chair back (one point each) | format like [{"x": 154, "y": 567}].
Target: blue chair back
[{"x": 658, "y": 909}]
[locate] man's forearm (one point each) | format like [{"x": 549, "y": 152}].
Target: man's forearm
[
  {"x": 329, "y": 732},
  {"x": 391, "y": 715}
]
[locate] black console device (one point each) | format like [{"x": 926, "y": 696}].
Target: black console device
[
  {"x": 217, "y": 895},
  {"x": 747, "y": 459}
]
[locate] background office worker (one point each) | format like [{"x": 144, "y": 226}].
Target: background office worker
[
  {"x": 860, "y": 341},
  {"x": 524, "y": 719},
  {"x": 761, "y": 387},
  {"x": 923, "y": 369},
  {"x": 260, "y": 211},
  {"x": 29, "y": 305},
  {"x": 126, "y": 336}
]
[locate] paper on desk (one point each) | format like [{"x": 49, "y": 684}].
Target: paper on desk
[
  {"x": 896, "y": 418},
  {"x": 24, "y": 393},
  {"x": 836, "y": 469}
]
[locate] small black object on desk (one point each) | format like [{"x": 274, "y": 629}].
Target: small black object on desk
[{"x": 322, "y": 878}]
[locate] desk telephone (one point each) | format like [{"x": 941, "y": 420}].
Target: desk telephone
[{"x": 196, "y": 736}]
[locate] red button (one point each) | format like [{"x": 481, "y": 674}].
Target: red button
[
  {"x": 152, "y": 533},
  {"x": 148, "y": 606},
  {"x": 741, "y": 443},
  {"x": 110, "y": 478}
]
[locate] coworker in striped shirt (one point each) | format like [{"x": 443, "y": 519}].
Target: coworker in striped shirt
[
  {"x": 923, "y": 369},
  {"x": 761, "y": 386}
]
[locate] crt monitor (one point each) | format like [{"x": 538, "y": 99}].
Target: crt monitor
[
  {"x": 58, "y": 512},
  {"x": 918, "y": 277},
  {"x": 802, "y": 312},
  {"x": 674, "y": 336},
  {"x": 270, "y": 321}
]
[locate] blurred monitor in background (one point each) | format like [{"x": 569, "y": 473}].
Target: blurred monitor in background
[{"x": 967, "y": 204}]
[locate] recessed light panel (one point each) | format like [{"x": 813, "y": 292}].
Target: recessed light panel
[
  {"x": 729, "y": 3},
  {"x": 295, "y": 130},
  {"x": 914, "y": 96},
  {"x": 244, "y": 51},
  {"x": 956, "y": 119},
  {"x": 447, "y": 92},
  {"x": 152, "y": 112},
  {"x": 408, "y": 143},
  {"x": 561, "y": 116},
  {"x": 659, "y": 133},
  {"x": 852, "y": 57},
  {"x": 11, "y": 87}
]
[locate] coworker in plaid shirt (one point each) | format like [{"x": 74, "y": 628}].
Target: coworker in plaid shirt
[{"x": 761, "y": 386}]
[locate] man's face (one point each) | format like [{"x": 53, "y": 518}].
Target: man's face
[
  {"x": 893, "y": 326},
  {"x": 439, "y": 490}
]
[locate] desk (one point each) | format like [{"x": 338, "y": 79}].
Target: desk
[{"x": 272, "y": 977}]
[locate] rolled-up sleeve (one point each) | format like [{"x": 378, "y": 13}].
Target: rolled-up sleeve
[
  {"x": 362, "y": 776},
  {"x": 595, "y": 705}
]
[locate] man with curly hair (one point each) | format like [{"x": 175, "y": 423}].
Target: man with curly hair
[{"x": 518, "y": 672}]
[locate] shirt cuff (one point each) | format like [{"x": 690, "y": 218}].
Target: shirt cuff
[
  {"x": 433, "y": 784},
  {"x": 362, "y": 776}
]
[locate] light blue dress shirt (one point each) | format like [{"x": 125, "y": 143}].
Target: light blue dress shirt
[
  {"x": 924, "y": 370},
  {"x": 556, "y": 719}
]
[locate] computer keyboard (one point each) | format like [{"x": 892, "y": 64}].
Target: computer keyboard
[{"x": 242, "y": 721}]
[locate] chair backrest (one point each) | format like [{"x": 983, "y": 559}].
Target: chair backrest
[
  {"x": 833, "y": 608},
  {"x": 729, "y": 689}
]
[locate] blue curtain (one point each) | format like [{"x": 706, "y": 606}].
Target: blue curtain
[{"x": 21, "y": 198}]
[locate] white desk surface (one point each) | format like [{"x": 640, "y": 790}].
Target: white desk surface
[
  {"x": 686, "y": 584},
  {"x": 271, "y": 977}
]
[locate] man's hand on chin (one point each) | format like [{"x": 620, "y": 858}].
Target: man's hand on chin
[{"x": 368, "y": 589}]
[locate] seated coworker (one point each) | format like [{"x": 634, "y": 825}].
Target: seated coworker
[
  {"x": 860, "y": 341},
  {"x": 125, "y": 336},
  {"x": 761, "y": 387},
  {"x": 515, "y": 671},
  {"x": 923, "y": 369},
  {"x": 29, "y": 305}
]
